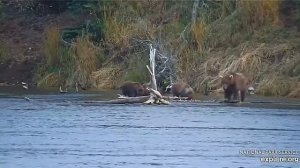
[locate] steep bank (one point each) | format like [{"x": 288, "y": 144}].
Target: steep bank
[
  {"x": 22, "y": 42},
  {"x": 258, "y": 38}
]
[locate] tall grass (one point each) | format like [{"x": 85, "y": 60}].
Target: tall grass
[
  {"x": 199, "y": 32},
  {"x": 49, "y": 80},
  {"x": 85, "y": 61},
  {"x": 258, "y": 12},
  {"x": 275, "y": 85},
  {"x": 227, "y": 37},
  {"x": 116, "y": 32},
  {"x": 295, "y": 93},
  {"x": 52, "y": 46},
  {"x": 107, "y": 78},
  {"x": 67, "y": 62},
  {"x": 69, "y": 65}
]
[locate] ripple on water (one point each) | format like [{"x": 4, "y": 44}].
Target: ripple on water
[{"x": 54, "y": 131}]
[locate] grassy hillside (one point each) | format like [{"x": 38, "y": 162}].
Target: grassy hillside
[{"x": 258, "y": 38}]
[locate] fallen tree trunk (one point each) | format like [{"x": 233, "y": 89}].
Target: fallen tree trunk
[
  {"x": 122, "y": 100},
  {"x": 141, "y": 99},
  {"x": 129, "y": 100}
]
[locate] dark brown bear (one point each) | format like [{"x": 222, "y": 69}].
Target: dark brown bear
[
  {"x": 134, "y": 89},
  {"x": 233, "y": 84},
  {"x": 181, "y": 90}
]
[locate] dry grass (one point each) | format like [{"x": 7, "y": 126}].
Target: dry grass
[
  {"x": 291, "y": 66},
  {"x": 142, "y": 29},
  {"x": 117, "y": 32},
  {"x": 227, "y": 32},
  {"x": 295, "y": 93},
  {"x": 119, "y": 21},
  {"x": 107, "y": 78},
  {"x": 187, "y": 63},
  {"x": 256, "y": 60},
  {"x": 85, "y": 61},
  {"x": 274, "y": 85},
  {"x": 50, "y": 80},
  {"x": 259, "y": 12},
  {"x": 199, "y": 32},
  {"x": 120, "y": 33},
  {"x": 269, "y": 64},
  {"x": 227, "y": 7},
  {"x": 52, "y": 46},
  {"x": 212, "y": 66},
  {"x": 239, "y": 25}
]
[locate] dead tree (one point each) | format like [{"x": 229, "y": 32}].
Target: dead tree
[{"x": 155, "y": 96}]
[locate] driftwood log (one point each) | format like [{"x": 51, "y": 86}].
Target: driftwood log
[
  {"x": 141, "y": 99},
  {"x": 156, "y": 98},
  {"x": 129, "y": 100}
]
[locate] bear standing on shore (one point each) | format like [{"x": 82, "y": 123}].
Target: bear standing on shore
[
  {"x": 233, "y": 84},
  {"x": 134, "y": 89},
  {"x": 181, "y": 90}
]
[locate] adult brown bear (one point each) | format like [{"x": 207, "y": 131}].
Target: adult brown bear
[
  {"x": 233, "y": 84},
  {"x": 181, "y": 90},
  {"x": 134, "y": 89}
]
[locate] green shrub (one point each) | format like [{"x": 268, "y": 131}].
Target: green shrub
[{"x": 137, "y": 70}]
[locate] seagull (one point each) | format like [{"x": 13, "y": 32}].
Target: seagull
[
  {"x": 63, "y": 91},
  {"x": 251, "y": 90},
  {"x": 27, "y": 98},
  {"x": 24, "y": 85}
]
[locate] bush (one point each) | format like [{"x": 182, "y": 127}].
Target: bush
[{"x": 137, "y": 70}]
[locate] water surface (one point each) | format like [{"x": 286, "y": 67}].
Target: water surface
[{"x": 61, "y": 130}]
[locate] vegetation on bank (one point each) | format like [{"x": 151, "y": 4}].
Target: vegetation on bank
[{"x": 258, "y": 38}]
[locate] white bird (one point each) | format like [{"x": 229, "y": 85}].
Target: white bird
[
  {"x": 26, "y": 98},
  {"x": 251, "y": 90},
  {"x": 63, "y": 91},
  {"x": 24, "y": 85}
]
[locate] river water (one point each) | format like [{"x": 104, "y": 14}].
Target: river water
[{"x": 61, "y": 130}]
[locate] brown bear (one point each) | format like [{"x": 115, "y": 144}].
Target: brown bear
[
  {"x": 134, "y": 89},
  {"x": 233, "y": 84},
  {"x": 181, "y": 90}
]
